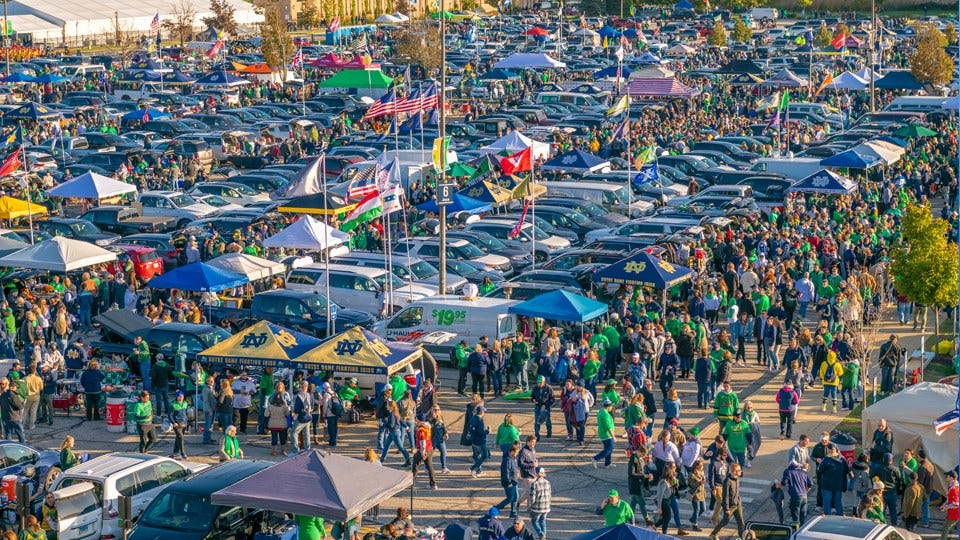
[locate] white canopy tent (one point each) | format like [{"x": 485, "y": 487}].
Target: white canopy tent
[
  {"x": 91, "y": 185},
  {"x": 653, "y": 72},
  {"x": 387, "y": 18},
  {"x": 306, "y": 233},
  {"x": 514, "y": 142},
  {"x": 253, "y": 267},
  {"x": 888, "y": 152},
  {"x": 786, "y": 78},
  {"x": 848, "y": 81},
  {"x": 681, "y": 49},
  {"x": 529, "y": 61},
  {"x": 865, "y": 74},
  {"x": 59, "y": 254},
  {"x": 910, "y": 414}
]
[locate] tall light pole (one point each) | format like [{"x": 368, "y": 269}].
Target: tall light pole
[
  {"x": 6, "y": 38},
  {"x": 873, "y": 44},
  {"x": 443, "y": 147}
]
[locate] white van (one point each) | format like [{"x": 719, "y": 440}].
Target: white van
[
  {"x": 794, "y": 168},
  {"x": 468, "y": 318},
  {"x": 584, "y": 101},
  {"x": 923, "y": 104},
  {"x": 734, "y": 191},
  {"x": 764, "y": 13},
  {"x": 356, "y": 287},
  {"x": 78, "y": 513},
  {"x": 82, "y": 70},
  {"x": 809, "y": 108},
  {"x": 612, "y": 197}
]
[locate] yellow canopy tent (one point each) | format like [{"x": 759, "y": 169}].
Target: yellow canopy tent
[
  {"x": 12, "y": 208},
  {"x": 359, "y": 351},
  {"x": 523, "y": 189},
  {"x": 486, "y": 9},
  {"x": 262, "y": 345}
]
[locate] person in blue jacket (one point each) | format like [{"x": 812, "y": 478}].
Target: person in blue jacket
[{"x": 490, "y": 526}]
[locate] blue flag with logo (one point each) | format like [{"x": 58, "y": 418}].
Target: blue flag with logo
[{"x": 647, "y": 174}]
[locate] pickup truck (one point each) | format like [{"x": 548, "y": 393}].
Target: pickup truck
[
  {"x": 125, "y": 220},
  {"x": 298, "y": 310},
  {"x": 121, "y": 327}
]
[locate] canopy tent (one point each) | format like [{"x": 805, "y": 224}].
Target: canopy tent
[
  {"x": 149, "y": 114},
  {"x": 576, "y": 161},
  {"x": 683, "y": 4},
  {"x": 12, "y": 208},
  {"x": 745, "y": 79},
  {"x": 681, "y": 49},
  {"x": 643, "y": 270},
  {"x": 514, "y": 142},
  {"x": 849, "y": 159},
  {"x": 536, "y": 31},
  {"x": 401, "y": 16},
  {"x": 866, "y": 73},
  {"x": 498, "y": 75},
  {"x": 461, "y": 203},
  {"x": 9, "y": 245},
  {"x": 262, "y": 345},
  {"x": 648, "y": 58},
  {"x": 31, "y": 111},
  {"x": 314, "y": 483},
  {"x": 307, "y": 233},
  {"x": 609, "y": 32},
  {"x": 523, "y": 189},
  {"x": 825, "y": 181},
  {"x": 59, "y": 254},
  {"x": 198, "y": 277},
  {"x": 848, "y": 81},
  {"x": 898, "y": 80},
  {"x": 560, "y": 305},
  {"x": 387, "y": 18},
  {"x": 667, "y": 87},
  {"x": 317, "y": 204},
  {"x": 51, "y": 78},
  {"x": 145, "y": 64},
  {"x": 18, "y": 77},
  {"x": 889, "y": 153},
  {"x": 914, "y": 131},
  {"x": 910, "y": 413},
  {"x": 740, "y": 66},
  {"x": 221, "y": 78},
  {"x": 358, "y": 350},
  {"x": 622, "y": 532},
  {"x": 487, "y": 192},
  {"x": 529, "y": 61},
  {"x": 91, "y": 185},
  {"x": 446, "y": 15},
  {"x": 852, "y": 42},
  {"x": 328, "y": 61},
  {"x": 358, "y": 78},
  {"x": 611, "y": 72},
  {"x": 951, "y": 104},
  {"x": 786, "y": 79},
  {"x": 178, "y": 77},
  {"x": 140, "y": 76},
  {"x": 460, "y": 170},
  {"x": 253, "y": 267},
  {"x": 654, "y": 72}
]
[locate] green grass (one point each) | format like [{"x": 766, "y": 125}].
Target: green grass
[{"x": 937, "y": 370}]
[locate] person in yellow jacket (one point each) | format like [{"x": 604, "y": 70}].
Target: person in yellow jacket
[{"x": 830, "y": 373}]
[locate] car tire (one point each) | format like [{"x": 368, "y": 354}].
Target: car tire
[{"x": 52, "y": 474}]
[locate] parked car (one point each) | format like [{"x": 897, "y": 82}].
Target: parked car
[
  {"x": 126, "y": 220},
  {"x": 173, "y": 204},
  {"x": 77, "y": 229},
  {"x": 146, "y": 262}
]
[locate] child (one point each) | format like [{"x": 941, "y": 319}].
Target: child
[{"x": 671, "y": 408}]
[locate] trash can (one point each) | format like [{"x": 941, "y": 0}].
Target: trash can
[
  {"x": 116, "y": 412},
  {"x": 846, "y": 444}
]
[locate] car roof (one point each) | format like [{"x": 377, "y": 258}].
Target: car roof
[
  {"x": 368, "y": 271},
  {"x": 188, "y": 328},
  {"x": 162, "y": 193},
  {"x": 132, "y": 248},
  {"x": 838, "y": 527},
  {"x": 218, "y": 477},
  {"x": 110, "y": 464}
]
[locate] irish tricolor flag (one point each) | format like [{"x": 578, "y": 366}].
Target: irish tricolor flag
[{"x": 369, "y": 208}]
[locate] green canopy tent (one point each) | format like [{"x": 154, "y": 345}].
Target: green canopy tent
[
  {"x": 459, "y": 170},
  {"x": 446, "y": 15},
  {"x": 367, "y": 82},
  {"x": 914, "y": 131}
]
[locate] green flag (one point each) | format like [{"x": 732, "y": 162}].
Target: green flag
[{"x": 785, "y": 101}]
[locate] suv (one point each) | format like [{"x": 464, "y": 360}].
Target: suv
[
  {"x": 409, "y": 269},
  {"x": 833, "y": 527},
  {"x": 77, "y": 229},
  {"x": 184, "y": 511},
  {"x": 459, "y": 249},
  {"x": 547, "y": 246},
  {"x": 179, "y": 206},
  {"x": 138, "y": 476},
  {"x": 355, "y": 287},
  {"x": 192, "y": 149}
]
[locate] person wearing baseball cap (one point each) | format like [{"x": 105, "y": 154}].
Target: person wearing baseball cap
[
  {"x": 518, "y": 531},
  {"x": 615, "y": 511},
  {"x": 605, "y": 432},
  {"x": 490, "y": 526},
  {"x": 543, "y": 398}
]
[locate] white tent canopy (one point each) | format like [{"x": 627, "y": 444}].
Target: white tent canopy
[
  {"x": 514, "y": 142},
  {"x": 865, "y": 74},
  {"x": 253, "y": 267},
  {"x": 680, "y": 48},
  {"x": 848, "y": 81},
  {"x": 91, "y": 185},
  {"x": 306, "y": 233},
  {"x": 888, "y": 152},
  {"x": 387, "y": 19},
  {"x": 59, "y": 254},
  {"x": 910, "y": 414},
  {"x": 786, "y": 78},
  {"x": 654, "y": 72},
  {"x": 529, "y": 61}
]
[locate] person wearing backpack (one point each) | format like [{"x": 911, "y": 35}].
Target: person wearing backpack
[
  {"x": 830, "y": 373},
  {"x": 891, "y": 353},
  {"x": 332, "y": 409}
]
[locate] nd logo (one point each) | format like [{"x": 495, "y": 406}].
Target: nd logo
[
  {"x": 348, "y": 346},
  {"x": 254, "y": 340}
]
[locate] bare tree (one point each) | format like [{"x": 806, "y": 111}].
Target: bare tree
[
  {"x": 223, "y": 17},
  {"x": 180, "y": 23},
  {"x": 277, "y": 44},
  {"x": 419, "y": 43},
  {"x": 122, "y": 36}
]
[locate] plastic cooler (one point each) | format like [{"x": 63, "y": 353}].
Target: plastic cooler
[
  {"x": 116, "y": 413},
  {"x": 847, "y": 446},
  {"x": 9, "y": 486}
]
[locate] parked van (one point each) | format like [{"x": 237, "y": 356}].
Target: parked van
[
  {"x": 468, "y": 318},
  {"x": 78, "y": 513},
  {"x": 648, "y": 226},
  {"x": 356, "y": 287},
  {"x": 922, "y": 104},
  {"x": 791, "y": 167},
  {"x": 409, "y": 269},
  {"x": 612, "y": 197},
  {"x": 184, "y": 511},
  {"x": 732, "y": 192},
  {"x": 82, "y": 70},
  {"x": 821, "y": 109},
  {"x": 568, "y": 98},
  {"x": 763, "y": 13}
]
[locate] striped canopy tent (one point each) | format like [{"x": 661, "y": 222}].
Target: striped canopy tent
[{"x": 667, "y": 87}]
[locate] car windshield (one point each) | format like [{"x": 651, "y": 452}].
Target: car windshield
[
  {"x": 317, "y": 303},
  {"x": 181, "y": 200},
  {"x": 215, "y": 200},
  {"x": 395, "y": 282},
  {"x": 460, "y": 268},
  {"x": 245, "y": 189},
  {"x": 423, "y": 270},
  {"x": 593, "y": 210},
  {"x": 699, "y": 164},
  {"x": 469, "y": 251},
  {"x": 214, "y": 336},
  {"x": 537, "y": 233},
  {"x": 577, "y": 217},
  {"x": 179, "y": 511},
  {"x": 84, "y": 227}
]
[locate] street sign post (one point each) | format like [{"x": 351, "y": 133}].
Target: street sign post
[{"x": 445, "y": 194}]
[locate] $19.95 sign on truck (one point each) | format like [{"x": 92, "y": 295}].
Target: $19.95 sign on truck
[{"x": 448, "y": 317}]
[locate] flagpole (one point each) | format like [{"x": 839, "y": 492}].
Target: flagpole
[
  {"x": 26, "y": 183},
  {"x": 443, "y": 146},
  {"x": 533, "y": 214},
  {"x": 326, "y": 240}
]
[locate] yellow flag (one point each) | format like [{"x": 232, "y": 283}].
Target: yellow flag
[
  {"x": 440, "y": 146},
  {"x": 619, "y": 107},
  {"x": 826, "y": 82}
]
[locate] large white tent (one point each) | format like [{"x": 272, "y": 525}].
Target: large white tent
[
  {"x": 910, "y": 414},
  {"x": 848, "y": 81},
  {"x": 91, "y": 185},
  {"x": 306, "y": 233},
  {"x": 514, "y": 142},
  {"x": 253, "y": 267},
  {"x": 58, "y": 254}
]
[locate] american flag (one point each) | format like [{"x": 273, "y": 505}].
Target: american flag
[
  {"x": 359, "y": 44},
  {"x": 363, "y": 184},
  {"x": 297, "y": 61},
  {"x": 155, "y": 23},
  {"x": 387, "y": 104},
  {"x": 420, "y": 99},
  {"x": 334, "y": 25}
]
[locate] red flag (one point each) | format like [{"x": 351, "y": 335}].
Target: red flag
[
  {"x": 839, "y": 41},
  {"x": 334, "y": 25},
  {"x": 519, "y": 162},
  {"x": 11, "y": 164},
  {"x": 515, "y": 231},
  {"x": 213, "y": 51}
]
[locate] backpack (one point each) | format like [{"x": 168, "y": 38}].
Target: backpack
[
  {"x": 336, "y": 407},
  {"x": 830, "y": 375}
]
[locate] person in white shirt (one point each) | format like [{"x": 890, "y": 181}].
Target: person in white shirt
[
  {"x": 692, "y": 449},
  {"x": 243, "y": 388}
]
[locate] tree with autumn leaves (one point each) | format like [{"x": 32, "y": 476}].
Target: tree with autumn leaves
[{"x": 931, "y": 63}]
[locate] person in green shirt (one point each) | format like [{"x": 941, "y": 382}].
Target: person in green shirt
[
  {"x": 849, "y": 381},
  {"x": 507, "y": 433},
  {"x": 399, "y": 385},
  {"x": 615, "y": 511},
  {"x": 590, "y": 370},
  {"x": 310, "y": 528},
  {"x": 725, "y": 404},
  {"x": 143, "y": 416},
  {"x": 605, "y": 432},
  {"x": 909, "y": 461},
  {"x": 230, "y": 446},
  {"x": 737, "y": 434},
  {"x": 141, "y": 351},
  {"x": 519, "y": 362},
  {"x": 68, "y": 458},
  {"x": 351, "y": 391},
  {"x": 461, "y": 354},
  {"x": 672, "y": 325},
  {"x": 761, "y": 300},
  {"x": 610, "y": 393}
]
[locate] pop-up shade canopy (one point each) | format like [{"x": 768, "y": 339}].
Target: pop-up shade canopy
[
  {"x": 90, "y": 185},
  {"x": 622, "y": 532},
  {"x": 262, "y": 345},
  {"x": 359, "y": 351},
  {"x": 825, "y": 181},
  {"x": 253, "y": 267},
  {"x": 643, "y": 270},
  {"x": 59, "y": 254},
  {"x": 529, "y": 61},
  {"x": 560, "y": 305},
  {"x": 198, "y": 277},
  {"x": 13, "y": 208},
  {"x": 307, "y": 233}
]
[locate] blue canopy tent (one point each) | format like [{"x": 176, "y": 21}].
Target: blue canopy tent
[
  {"x": 611, "y": 72},
  {"x": 198, "y": 277},
  {"x": 145, "y": 64},
  {"x": 648, "y": 58},
  {"x": 31, "y": 111},
  {"x": 622, "y": 532},
  {"x": 461, "y": 203},
  {"x": 51, "y": 78},
  {"x": 894, "y": 140},
  {"x": 18, "y": 77},
  {"x": 142, "y": 76},
  {"x": 849, "y": 159},
  {"x": 824, "y": 181},
  {"x": 498, "y": 75},
  {"x": 576, "y": 161},
  {"x": 631, "y": 33},
  {"x": 220, "y": 78},
  {"x": 560, "y": 305},
  {"x": 179, "y": 77},
  {"x": 153, "y": 114},
  {"x": 608, "y": 32},
  {"x": 683, "y": 4},
  {"x": 643, "y": 270},
  {"x": 898, "y": 80}
]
